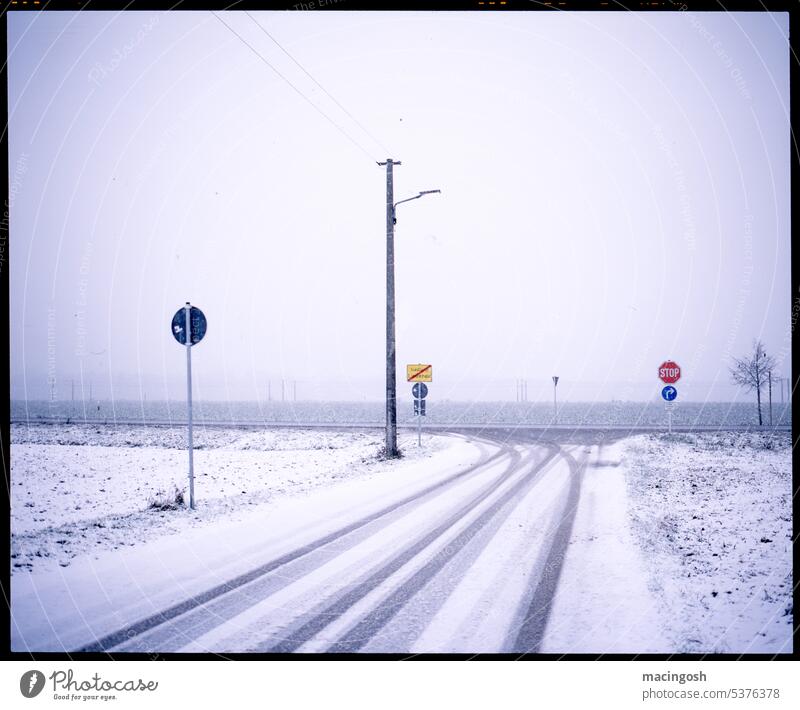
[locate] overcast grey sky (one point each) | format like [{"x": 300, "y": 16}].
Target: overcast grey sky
[{"x": 615, "y": 192}]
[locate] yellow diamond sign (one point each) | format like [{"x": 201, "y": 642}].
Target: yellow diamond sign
[{"x": 419, "y": 373}]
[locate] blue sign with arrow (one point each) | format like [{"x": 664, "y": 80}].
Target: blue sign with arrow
[{"x": 669, "y": 393}]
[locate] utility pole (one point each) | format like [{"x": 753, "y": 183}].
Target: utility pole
[
  {"x": 269, "y": 390},
  {"x": 391, "y": 366},
  {"x": 555, "y": 401},
  {"x": 769, "y": 378},
  {"x": 283, "y": 390},
  {"x": 294, "y": 390}
]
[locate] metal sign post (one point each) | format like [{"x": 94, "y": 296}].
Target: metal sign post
[
  {"x": 188, "y": 316},
  {"x": 189, "y": 328},
  {"x": 669, "y": 394},
  {"x": 419, "y": 375},
  {"x": 419, "y": 428},
  {"x": 420, "y": 391},
  {"x": 555, "y": 401},
  {"x": 669, "y": 372}
]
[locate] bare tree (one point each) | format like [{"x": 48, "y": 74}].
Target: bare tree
[{"x": 752, "y": 371}]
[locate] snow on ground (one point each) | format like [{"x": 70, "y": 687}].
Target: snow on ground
[
  {"x": 110, "y": 435},
  {"x": 669, "y": 544},
  {"x": 78, "y": 489},
  {"x": 487, "y": 609},
  {"x": 267, "y": 621},
  {"x": 602, "y": 603},
  {"x": 56, "y": 608},
  {"x": 713, "y": 515}
]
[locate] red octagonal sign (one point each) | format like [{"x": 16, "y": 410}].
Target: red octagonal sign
[{"x": 669, "y": 372}]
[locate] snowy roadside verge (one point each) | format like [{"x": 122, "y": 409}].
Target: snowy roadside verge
[
  {"x": 78, "y": 490},
  {"x": 602, "y": 603},
  {"x": 713, "y": 515}
]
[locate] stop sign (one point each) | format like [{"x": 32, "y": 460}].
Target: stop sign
[{"x": 669, "y": 372}]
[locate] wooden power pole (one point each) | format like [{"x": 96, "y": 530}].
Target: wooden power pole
[{"x": 391, "y": 365}]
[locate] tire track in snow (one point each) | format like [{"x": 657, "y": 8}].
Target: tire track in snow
[
  {"x": 319, "y": 619},
  {"x": 536, "y": 612},
  {"x": 189, "y": 627},
  {"x": 277, "y": 615},
  {"x": 470, "y": 605},
  {"x": 127, "y": 633},
  {"x": 489, "y": 522}
]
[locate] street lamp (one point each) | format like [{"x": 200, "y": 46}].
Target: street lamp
[
  {"x": 408, "y": 199},
  {"x": 391, "y": 362}
]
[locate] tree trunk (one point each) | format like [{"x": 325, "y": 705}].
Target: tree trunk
[{"x": 758, "y": 397}]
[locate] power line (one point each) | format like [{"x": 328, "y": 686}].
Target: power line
[
  {"x": 385, "y": 150},
  {"x": 300, "y": 93}
]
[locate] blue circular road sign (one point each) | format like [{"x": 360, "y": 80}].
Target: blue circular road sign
[
  {"x": 669, "y": 393},
  {"x": 199, "y": 325},
  {"x": 419, "y": 390}
]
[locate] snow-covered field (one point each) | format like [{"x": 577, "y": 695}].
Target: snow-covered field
[
  {"x": 713, "y": 515},
  {"x": 79, "y": 489}
]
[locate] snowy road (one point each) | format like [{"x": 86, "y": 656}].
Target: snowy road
[{"x": 472, "y": 562}]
